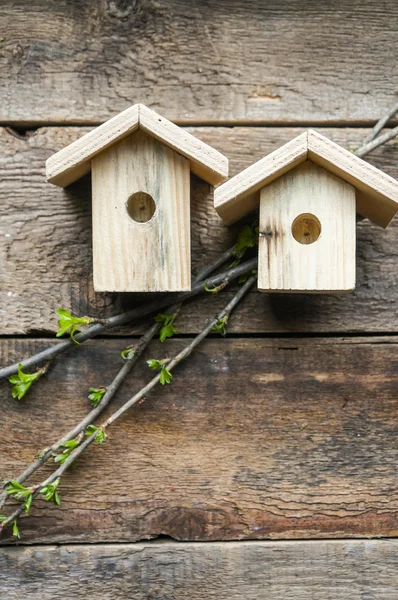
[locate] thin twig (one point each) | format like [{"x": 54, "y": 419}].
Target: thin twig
[
  {"x": 131, "y": 315},
  {"x": 90, "y": 417},
  {"x": 225, "y": 313},
  {"x": 379, "y": 141},
  {"x": 380, "y": 124},
  {"x": 114, "y": 386}
]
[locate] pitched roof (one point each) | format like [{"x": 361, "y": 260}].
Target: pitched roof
[
  {"x": 74, "y": 161},
  {"x": 377, "y": 193}
]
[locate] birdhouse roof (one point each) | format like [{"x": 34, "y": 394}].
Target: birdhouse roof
[
  {"x": 74, "y": 161},
  {"x": 377, "y": 193}
]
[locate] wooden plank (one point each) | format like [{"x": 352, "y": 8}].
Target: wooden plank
[
  {"x": 46, "y": 237},
  {"x": 352, "y": 570},
  {"x": 254, "y": 439},
  {"x": 254, "y": 61},
  {"x": 292, "y": 257},
  {"x": 131, "y": 256}
]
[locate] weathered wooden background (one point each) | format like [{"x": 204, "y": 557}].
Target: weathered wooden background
[{"x": 285, "y": 430}]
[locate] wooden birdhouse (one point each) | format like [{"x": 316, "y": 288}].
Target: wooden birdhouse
[
  {"x": 140, "y": 165},
  {"x": 309, "y": 192}
]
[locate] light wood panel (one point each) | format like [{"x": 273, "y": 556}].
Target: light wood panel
[
  {"x": 378, "y": 193},
  {"x": 46, "y": 237},
  {"x": 221, "y": 571},
  {"x": 241, "y": 194},
  {"x": 254, "y": 439},
  {"x": 318, "y": 263},
  {"x": 70, "y": 163},
  {"x": 74, "y": 62},
  {"x": 132, "y": 256}
]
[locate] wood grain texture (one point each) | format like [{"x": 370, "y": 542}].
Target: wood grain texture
[
  {"x": 204, "y": 160},
  {"x": 72, "y": 162},
  {"x": 254, "y": 439},
  {"x": 46, "y": 237},
  {"x": 241, "y": 195},
  {"x": 378, "y": 193},
  {"x": 254, "y": 61},
  {"x": 291, "y": 264},
  {"x": 131, "y": 256},
  {"x": 350, "y": 570}
]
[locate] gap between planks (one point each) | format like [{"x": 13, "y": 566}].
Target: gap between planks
[{"x": 37, "y": 124}]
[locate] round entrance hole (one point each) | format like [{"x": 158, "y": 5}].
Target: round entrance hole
[
  {"x": 306, "y": 228},
  {"x": 140, "y": 207}
]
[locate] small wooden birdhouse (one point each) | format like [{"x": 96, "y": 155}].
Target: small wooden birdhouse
[
  {"x": 140, "y": 165},
  {"x": 309, "y": 191}
]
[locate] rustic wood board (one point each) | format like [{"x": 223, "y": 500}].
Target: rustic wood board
[
  {"x": 229, "y": 61},
  {"x": 46, "y": 236},
  {"x": 254, "y": 439},
  {"x": 353, "y": 570}
]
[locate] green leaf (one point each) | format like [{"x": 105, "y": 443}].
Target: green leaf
[
  {"x": 91, "y": 429},
  {"x": 127, "y": 354},
  {"x": 247, "y": 238},
  {"x": 22, "y": 382},
  {"x": 100, "y": 435},
  {"x": 15, "y": 530},
  {"x": 68, "y": 446},
  {"x": 95, "y": 395},
  {"x": 18, "y": 491},
  {"x": 165, "y": 376},
  {"x": 60, "y": 458},
  {"x": 214, "y": 290},
  {"x": 154, "y": 364},
  {"x": 68, "y": 322},
  {"x": 243, "y": 278},
  {"x": 2, "y": 518},
  {"x": 49, "y": 492},
  {"x": 220, "y": 326},
  {"x": 71, "y": 444},
  {"x": 28, "y": 503},
  {"x": 167, "y": 330}
]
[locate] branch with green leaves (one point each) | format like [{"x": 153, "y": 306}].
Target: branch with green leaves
[
  {"x": 101, "y": 397},
  {"x": 70, "y": 446},
  {"x": 22, "y": 382},
  {"x": 63, "y": 446},
  {"x": 247, "y": 238},
  {"x": 134, "y": 314},
  {"x": 49, "y": 488}
]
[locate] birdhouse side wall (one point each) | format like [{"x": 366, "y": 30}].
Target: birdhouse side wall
[
  {"x": 307, "y": 232},
  {"x": 130, "y": 252}
]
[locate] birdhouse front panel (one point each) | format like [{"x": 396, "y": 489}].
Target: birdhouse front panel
[
  {"x": 307, "y": 232},
  {"x": 141, "y": 217}
]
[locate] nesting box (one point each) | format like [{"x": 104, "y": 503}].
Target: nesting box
[
  {"x": 140, "y": 165},
  {"x": 309, "y": 192}
]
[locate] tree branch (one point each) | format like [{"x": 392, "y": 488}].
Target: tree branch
[
  {"x": 139, "y": 396},
  {"x": 116, "y": 383},
  {"x": 131, "y": 315},
  {"x": 379, "y": 141},
  {"x": 380, "y": 124}
]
